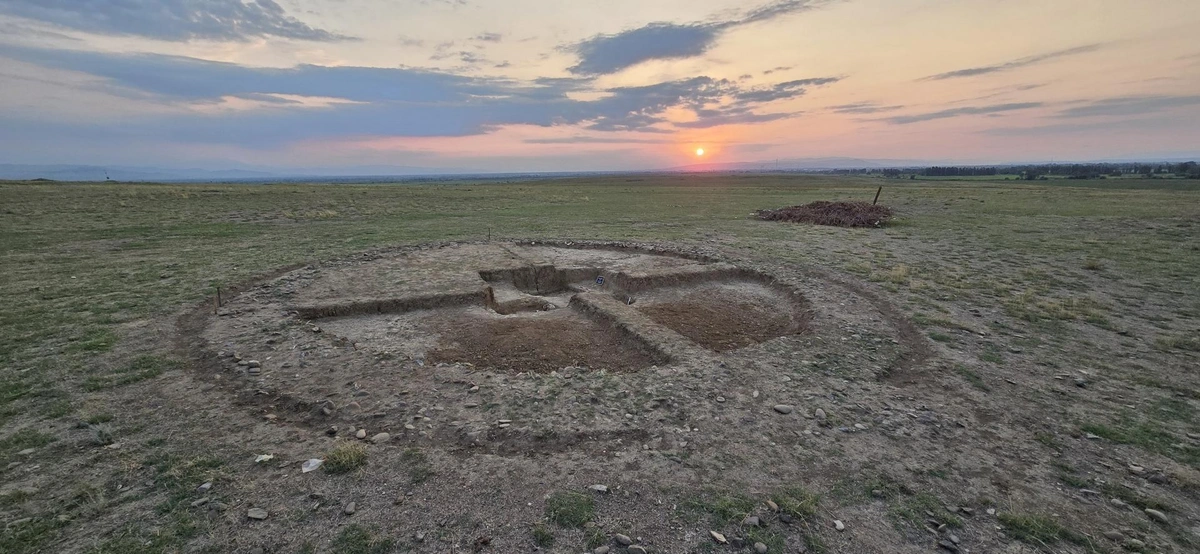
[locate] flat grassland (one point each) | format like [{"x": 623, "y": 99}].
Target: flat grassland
[{"x": 1062, "y": 402}]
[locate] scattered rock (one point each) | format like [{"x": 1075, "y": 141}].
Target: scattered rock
[
  {"x": 953, "y": 538},
  {"x": 381, "y": 438},
  {"x": 623, "y": 540},
  {"x": 635, "y": 549},
  {"x": 819, "y": 414},
  {"x": 786, "y": 518},
  {"x": 1136, "y": 469},
  {"x": 256, "y": 513},
  {"x": 602, "y": 489},
  {"x": 784, "y": 408},
  {"x": 27, "y": 452},
  {"x": 253, "y": 363},
  {"x": 1118, "y": 503},
  {"x": 1156, "y": 515},
  {"x": 991, "y": 511},
  {"x": 751, "y": 521},
  {"x": 760, "y": 548},
  {"x": 204, "y": 487},
  {"x": 1134, "y": 544},
  {"x": 350, "y": 508},
  {"x": 837, "y": 524},
  {"x": 360, "y": 434},
  {"x": 773, "y": 506},
  {"x": 1080, "y": 382},
  {"x": 200, "y": 502},
  {"x": 948, "y": 546},
  {"x": 1114, "y": 536},
  {"x": 1157, "y": 478},
  {"x": 602, "y": 549},
  {"x": 718, "y": 537},
  {"x": 332, "y": 430}
]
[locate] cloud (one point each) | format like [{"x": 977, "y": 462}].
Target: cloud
[
  {"x": 955, "y": 112},
  {"x": 734, "y": 119},
  {"x": 172, "y": 20},
  {"x": 1130, "y": 105},
  {"x": 363, "y": 101},
  {"x": 777, "y": 69},
  {"x": 488, "y": 37},
  {"x": 582, "y": 139},
  {"x": 605, "y": 54},
  {"x": 863, "y": 108},
  {"x": 1015, "y": 64}
]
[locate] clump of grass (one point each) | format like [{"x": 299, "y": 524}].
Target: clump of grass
[
  {"x": 345, "y": 457},
  {"x": 1148, "y": 435},
  {"x": 594, "y": 538},
  {"x": 1179, "y": 342},
  {"x": 1093, "y": 264},
  {"x": 797, "y": 502},
  {"x": 21, "y": 440},
  {"x": 1040, "y": 529},
  {"x": 570, "y": 509},
  {"x": 720, "y": 507},
  {"x": 971, "y": 376},
  {"x": 95, "y": 340},
  {"x": 140, "y": 369},
  {"x": 356, "y": 539},
  {"x": 542, "y": 536},
  {"x": 102, "y": 434}
]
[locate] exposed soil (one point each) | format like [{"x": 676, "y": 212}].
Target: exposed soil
[
  {"x": 723, "y": 318},
  {"x": 837, "y": 214},
  {"x": 540, "y": 342}
]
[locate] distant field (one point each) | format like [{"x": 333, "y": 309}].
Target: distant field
[{"x": 1021, "y": 287}]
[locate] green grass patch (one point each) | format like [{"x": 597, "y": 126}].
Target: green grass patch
[
  {"x": 718, "y": 507},
  {"x": 140, "y": 369},
  {"x": 1148, "y": 435},
  {"x": 22, "y": 440},
  {"x": 971, "y": 376},
  {"x": 542, "y": 536},
  {"x": 912, "y": 510},
  {"x": 1041, "y": 530},
  {"x": 95, "y": 340},
  {"x": 570, "y": 509},
  {"x": 356, "y": 539},
  {"x": 797, "y": 502},
  {"x": 419, "y": 468}
]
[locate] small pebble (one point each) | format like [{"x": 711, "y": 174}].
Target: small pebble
[
  {"x": 837, "y": 524},
  {"x": 760, "y": 548},
  {"x": 350, "y": 508}
]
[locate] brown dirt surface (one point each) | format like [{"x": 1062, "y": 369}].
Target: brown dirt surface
[
  {"x": 539, "y": 343},
  {"x": 721, "y": 321},
  {"x": 837, "y": 214}
]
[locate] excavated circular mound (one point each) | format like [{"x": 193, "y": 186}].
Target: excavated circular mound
[{"x": 526, "y": 347}]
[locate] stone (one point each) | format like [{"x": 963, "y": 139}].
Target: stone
[
  {"x": 820, "y": 414},
  {"x": 751, "y": 521},
  {"x": 602, "y": 549},
  {"x": 635, "y": 549},
  {"x": 773, "y": 506},
  {"x": 200, "y": 502},
  {"x": 350, "y": 508},
  {"x": 623, "y": 540},
  {"x": 1136, "y": 469},
  {"x": 1156, "y": 515},
  {"x": 253, "y": 363},
  {"x": 991, "y": 511},
  {"x": 718, "y": 537},
  {"x": 360, "y": 434},
  {"x": 784, "y": 408},
  {"x": 204, "y": 487},
  {"x": 1118, "y": 503},
  {"x": 953, "y": 538},
  {"x": 948, "y": 546},
  {"x": 837, "y": 524},
  {"x": 787, "y": 518},
  {"x": 26, "y": 452},
  {"x": 381, "y": 438},
  {"x": 1114, "y": 536},
  {"x": 602, "y": 489},
  {"x": 256, "y": 513},
  {"x": 1157, "y": 479},
  {"x": 760, "y": 548},
  {"x": 1134, "y": 544}
]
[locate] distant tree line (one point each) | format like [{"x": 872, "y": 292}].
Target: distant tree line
[{"x": 1032, "y": 172}]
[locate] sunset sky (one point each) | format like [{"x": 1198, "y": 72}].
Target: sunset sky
[{"x": 542, "y": 85}]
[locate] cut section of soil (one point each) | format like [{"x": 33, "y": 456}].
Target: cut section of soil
[
  {"x": 727, "y": 317},
  {"x": 539, "y": 342}
]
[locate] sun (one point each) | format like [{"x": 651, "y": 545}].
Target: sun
[{"x": 699, "y": 152}]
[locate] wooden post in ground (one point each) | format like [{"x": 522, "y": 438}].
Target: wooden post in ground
[{"x": 876, "y": 201}]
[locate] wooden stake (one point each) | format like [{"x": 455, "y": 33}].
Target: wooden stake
[{"x": 877, "y": 196}]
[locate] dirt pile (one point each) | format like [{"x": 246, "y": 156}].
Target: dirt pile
[{"x": 837, "y": 214}]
